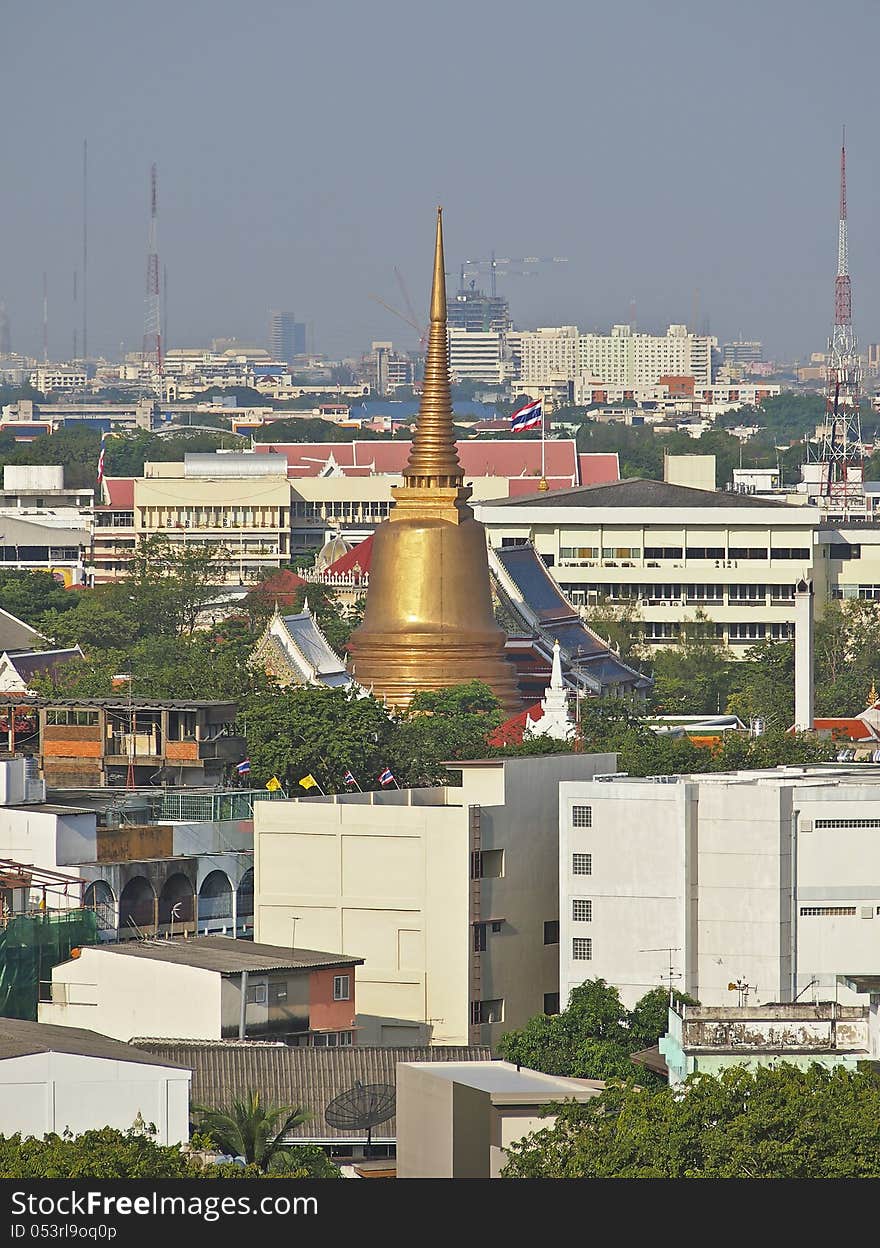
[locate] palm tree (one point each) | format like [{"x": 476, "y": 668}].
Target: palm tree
[{"x": 248, "y": 1128}]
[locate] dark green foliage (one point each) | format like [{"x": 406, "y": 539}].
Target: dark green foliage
[
  {"x": 249, "y": 1127},
  {"x": 776, "y": 1122},
  {"x": 34, "y": 596},
  {"x": 105, "y": 1154},
  {"x": 594, "y": 1037}
]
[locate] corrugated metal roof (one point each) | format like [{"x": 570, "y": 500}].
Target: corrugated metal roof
[
  {"x": 20, "y": 1037},
  {"x": 307, "y": 1077},
  {"x": 229, "y": 956}
]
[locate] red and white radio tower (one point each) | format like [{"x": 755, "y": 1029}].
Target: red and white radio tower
[
  {"x": 841, "y": 452},
  {"x": 151, "y": 354}
]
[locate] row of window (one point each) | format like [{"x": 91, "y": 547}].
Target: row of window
[
  {"x": 656, "y": 630},
  {"x": 802, "y": 553},
  {"x": 671, "y": 592},
  {"x": 868, "y": 822}
]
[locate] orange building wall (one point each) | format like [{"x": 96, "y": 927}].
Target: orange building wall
[{"x": 325, "y": 1014}]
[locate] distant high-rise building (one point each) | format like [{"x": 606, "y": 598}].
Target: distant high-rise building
[
  {"x": 5, "y": 336},
  {"x": 287, "y": 336},
  {"x": 740, "y": 352},
  {"x": 479, "y": 313},
  {"x": 873, "y": 357}
]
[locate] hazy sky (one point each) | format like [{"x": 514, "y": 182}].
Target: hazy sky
[{"x": 664, "y": 146}]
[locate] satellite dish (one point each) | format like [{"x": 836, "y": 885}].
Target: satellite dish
[{"x": 362, "y": 1107}]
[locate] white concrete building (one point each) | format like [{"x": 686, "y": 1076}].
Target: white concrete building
[
  {"x": 669, "y": 551},
  {"x": 622, "y": 358},
  {"x": 450, "y": 895},
  {"x": 476, "y": 356},
  {"x": 456, "y": 1120},
  {"x": 55, "y": 1079},
  {"x": 766, "y": 879}
]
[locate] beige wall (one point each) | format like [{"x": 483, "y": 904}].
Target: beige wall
[{"x": 388, "y": 883}]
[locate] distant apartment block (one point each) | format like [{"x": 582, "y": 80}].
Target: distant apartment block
[
  {"x": 287, "y": 336},
  {"x": 621, "y": 358}
]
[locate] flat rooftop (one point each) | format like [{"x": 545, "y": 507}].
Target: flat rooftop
[{"x": 505, "y": 1082}]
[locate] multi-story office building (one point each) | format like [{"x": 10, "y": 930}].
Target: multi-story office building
[
  {"x": 739, "y": 353},
  {"x": 479, "y": 356},
  {"x": 478, "y": 313},
  {"x": 669, "y": 551},
  {"x": 621, "y": 358},
  {"x": 766, "y": 879},
  {"x": 240, "y": 502},
  {"x": 449, "y": 894},
  {"x": 287, "y": 336}
]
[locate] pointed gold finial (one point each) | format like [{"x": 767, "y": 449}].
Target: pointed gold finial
[
  {"x": 872, "y": 695},
  {"x": 433, "y": 458}
]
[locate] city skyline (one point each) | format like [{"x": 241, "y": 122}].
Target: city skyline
[{"x": 274, "y": 195}]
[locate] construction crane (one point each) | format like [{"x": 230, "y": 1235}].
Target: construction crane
[{"x": 499, "y": 266}]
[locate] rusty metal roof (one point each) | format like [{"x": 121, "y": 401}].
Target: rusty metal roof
[{"x": 308, "y": 1077}]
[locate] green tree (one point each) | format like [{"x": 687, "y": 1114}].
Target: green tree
[
  {"x": 317, "y": 731},
  {"x": 249, "y": 1127},
  {"x": 594, "y": 1037},
  {"x": 35, "y": 597},
  {"x": 620, "y": 625},
  {"x": 442, "y": 725},
  {"x": 776, "y": 1122},
  {"x": 694, "y": 676},
  {"x": 105, "y": 1153},
  {"x": 847, "y": 655},
  {"x": 762, "y": 685}
]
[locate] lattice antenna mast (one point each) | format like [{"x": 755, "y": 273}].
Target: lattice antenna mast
[
  {"x": 151, "y": 355},
  {"x": 841, "y": 452}
]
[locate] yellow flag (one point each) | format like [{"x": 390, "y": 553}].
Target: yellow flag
[
  {"x": 273, "y": 784},
  {"x": 309, "y": 782}
]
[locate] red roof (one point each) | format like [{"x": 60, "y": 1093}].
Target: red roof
[
  {"x": 843, "y": 726},
  {"x": 507, "y": 457},
  {"x": 598, "y": 468},
  {"x": 120, "y": 491},
  {"x": 512, "y": 731},
  {"x": 357, "y": 560},
  {"x": 280, "y": 587}
]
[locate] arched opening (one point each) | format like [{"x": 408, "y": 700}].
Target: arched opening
[
  {"x": 100, "y": 898},
  {"x": 176, "y": 900},
  {"x": 245, "y": 896},
  {"x": 137, "y": 904},
  {"x": 215, "y": 897}
]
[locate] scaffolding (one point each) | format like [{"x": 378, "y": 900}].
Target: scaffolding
[{"x": 30, "y": 946}]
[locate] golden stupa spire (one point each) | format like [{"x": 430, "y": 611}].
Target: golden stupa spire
[
  {"x": 433, "y": 458},
  {"x": 872, "y": 695}
]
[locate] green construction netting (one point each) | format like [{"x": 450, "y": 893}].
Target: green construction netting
[{"x": 30, "y": 945}]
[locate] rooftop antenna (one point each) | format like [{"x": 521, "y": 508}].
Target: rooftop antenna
[
  {"x": 45, "y": 319},
  {"x": 841, "y": 452},
  {"x": 74, "y": 315},
  {"x": 671, "y": 974},
  {"x": 151, "y": 354},
  {"x": 85, "y": 253}
]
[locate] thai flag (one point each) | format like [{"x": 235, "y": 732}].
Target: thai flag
[
  {"x": 386, "y": 776},
  {"x": 101, "y": 458},
  {"x": 529, "y": 416},
  {"x": 244, "y": 767},
  {"x": 348, "y": 778}
]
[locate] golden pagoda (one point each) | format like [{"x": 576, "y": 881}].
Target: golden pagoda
[{"x": 428, "y": 621}]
